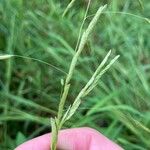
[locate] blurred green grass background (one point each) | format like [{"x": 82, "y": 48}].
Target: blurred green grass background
[{"x": 119, "y": 107}]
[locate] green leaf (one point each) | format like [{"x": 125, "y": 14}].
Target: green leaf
[{"x": 20, "y": 138}]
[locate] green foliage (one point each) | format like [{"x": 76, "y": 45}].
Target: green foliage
[
  {"x": 20, "y": 138},
  {"x": 119, "y": 105}
]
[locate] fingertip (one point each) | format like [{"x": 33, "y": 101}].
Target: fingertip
[
  {"x": 73, "y": 139},
  {"x": 41, "y": 142}
]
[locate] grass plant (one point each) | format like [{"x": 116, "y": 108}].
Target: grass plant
[{"x": 62, "y": 117}]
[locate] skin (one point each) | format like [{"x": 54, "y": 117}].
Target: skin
[{"x": 72, "y": 139}]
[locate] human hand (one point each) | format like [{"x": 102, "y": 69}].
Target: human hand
[{"x": 72, "y": 139}]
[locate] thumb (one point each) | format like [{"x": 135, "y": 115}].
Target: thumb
[{"x": 72, "y": 139}]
